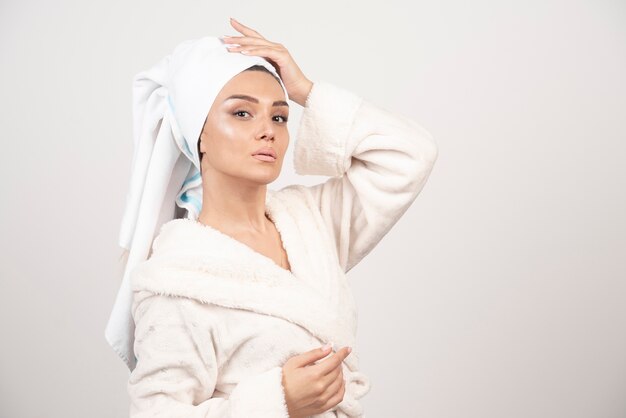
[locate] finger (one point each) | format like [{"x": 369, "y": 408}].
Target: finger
[
  {"x": 326, "y": 381},
  {"x": 310, "y": 356},
  {"x": 244, "y": 29},
  {"x": 274, "y": 56},
  {"x": 330, "y": 391},
  {"x": 330, "y": 377},
  {"x": 236, "y": 46},
  {"x": 247, "y": 40},
  {"x": 332, "y": 361},
  {"x": 268, "y": 52},
  {"x": 334, "y": 393}
]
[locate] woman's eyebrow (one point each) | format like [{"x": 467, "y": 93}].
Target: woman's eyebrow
[{"x": 255, "y": 100}]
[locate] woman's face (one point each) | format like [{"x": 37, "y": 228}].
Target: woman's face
[{"x": 236, "y": 128}]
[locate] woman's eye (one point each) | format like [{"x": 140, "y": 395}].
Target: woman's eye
[
  {"x": 239, "y": 111},
  {"x": 284, "y": 118}
]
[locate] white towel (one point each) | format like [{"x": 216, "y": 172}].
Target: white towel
[{"x": 170, "y": 104}]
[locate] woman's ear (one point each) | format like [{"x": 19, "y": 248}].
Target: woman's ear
[
  {"x": 200, "y": 154},
  {"x": 201, "y": 143},
  {"x": 201, "y": 147}
]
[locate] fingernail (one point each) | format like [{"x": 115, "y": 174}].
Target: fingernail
[
  {"x": 349, "y": 350},
  {"x": 326, "y": 346}
]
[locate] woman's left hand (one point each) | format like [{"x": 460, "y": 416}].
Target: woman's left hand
[{"x": 252, "y": 43}]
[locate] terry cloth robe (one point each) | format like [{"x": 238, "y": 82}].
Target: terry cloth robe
[{"x": 216, "y": 320}]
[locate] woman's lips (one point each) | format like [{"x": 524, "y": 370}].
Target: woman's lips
[{"x": 262, "y": 157}]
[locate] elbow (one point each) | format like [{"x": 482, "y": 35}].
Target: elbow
[
  {"x": 425, "y": 154},
  {"x": 431, "y": 152},
  {"x": 424, "y": 148},
  {"x": 429, "y": 148}
]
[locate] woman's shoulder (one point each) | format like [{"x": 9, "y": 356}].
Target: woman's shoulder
[
  {"x": 181, "y": 236},
  {"x": 295, "y": 196}
]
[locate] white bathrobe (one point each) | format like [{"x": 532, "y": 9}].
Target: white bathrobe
[{"x": 216, "y": 320}]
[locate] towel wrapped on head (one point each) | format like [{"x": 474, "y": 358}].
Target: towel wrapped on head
[{"x": 171, "y": 102}]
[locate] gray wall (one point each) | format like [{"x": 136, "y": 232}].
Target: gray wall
[{"x": 500, "y": 293}]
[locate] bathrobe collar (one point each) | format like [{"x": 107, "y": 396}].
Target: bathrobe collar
[{"x": 197, "y": 261}]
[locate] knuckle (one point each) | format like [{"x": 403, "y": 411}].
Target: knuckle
[
  {"x": 319, "y": 403},
  {"x": 319, "y": 387},
  {"x": 336, "y": 399},
  {"x": 340, "y": 393},
  {"x": 325, "y": 398},
  {"x": 317, "y": 375},
  {"x": 330, "y": 402}
]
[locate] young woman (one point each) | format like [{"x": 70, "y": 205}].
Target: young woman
[{"x": 234, "y": 306}]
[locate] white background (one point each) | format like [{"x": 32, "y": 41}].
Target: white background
[{"x": 500, "y": 293}]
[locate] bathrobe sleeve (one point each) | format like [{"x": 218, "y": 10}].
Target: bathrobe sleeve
[
  {"x": 378, "y": 162},
  {"x": 177, "y": 366}
]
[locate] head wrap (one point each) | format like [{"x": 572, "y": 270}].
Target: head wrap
[{"x": 170, "y": 104}]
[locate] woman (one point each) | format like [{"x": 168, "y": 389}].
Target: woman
[{"x": 233, "y": 306}]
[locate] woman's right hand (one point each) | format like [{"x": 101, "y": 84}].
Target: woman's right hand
[{"x": 312, "y": 389}]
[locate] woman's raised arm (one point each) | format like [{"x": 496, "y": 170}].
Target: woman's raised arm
[{"x": 378, "y": 161}]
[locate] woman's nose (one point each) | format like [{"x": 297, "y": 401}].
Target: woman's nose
[{"x": 266, "y": 130}]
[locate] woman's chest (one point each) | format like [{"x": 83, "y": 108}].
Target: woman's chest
[{"x": 251, "y": 343}]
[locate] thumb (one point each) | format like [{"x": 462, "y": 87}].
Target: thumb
[{"x": 309, "y": 357}]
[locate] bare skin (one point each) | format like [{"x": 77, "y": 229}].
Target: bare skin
[
  {"x": 234, "y": 186},
  {"x": 234, "y": 183},
  {"x": 313, "y": 388}
]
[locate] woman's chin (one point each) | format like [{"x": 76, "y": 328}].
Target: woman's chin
[{"x": 265, "y": 178}]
